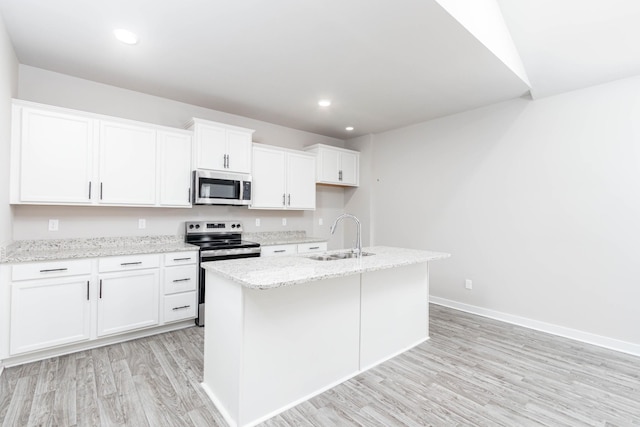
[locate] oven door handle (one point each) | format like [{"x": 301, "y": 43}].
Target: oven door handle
[{"x": 229, "y": 252}]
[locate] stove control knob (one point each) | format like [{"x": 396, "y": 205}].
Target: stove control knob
[
  {"x": 197, "y": 226},
  {"x": 190, "y": 226},
  {"x": 233, "y": 226},
  {"x": 238, "y": 225}
]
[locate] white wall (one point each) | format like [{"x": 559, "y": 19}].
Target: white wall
[
  {"x": 8, "y": 89},
  {"x": 358, "y": 200},
  {"x": 538, "y": 201},
  {"x": 47, "y": 87}
]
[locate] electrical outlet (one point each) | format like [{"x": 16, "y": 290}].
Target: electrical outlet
[
  {"x": 53, "y": 225},
  {"x": 320, "y": 221},
  {"x": 468, "y": 284},
  {"x": 284, "y": 221},
  {"x": 142, "y": 223},
  {"x": 257, "y": 222}
]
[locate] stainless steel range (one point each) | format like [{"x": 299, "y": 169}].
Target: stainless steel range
[{"x": 218, "y": 240}]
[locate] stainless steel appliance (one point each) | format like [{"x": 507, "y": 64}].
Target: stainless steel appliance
[
  {"x": 221, "y": 188},
  {"x": 218, "y": 240}
]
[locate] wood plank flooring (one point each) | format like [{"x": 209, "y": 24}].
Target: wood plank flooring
[{"x": 473, "y": 371}]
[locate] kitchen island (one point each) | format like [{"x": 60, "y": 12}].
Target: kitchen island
[{"x": 281, "y": 330}]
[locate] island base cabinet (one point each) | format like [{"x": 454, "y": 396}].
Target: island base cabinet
[
  {"x": 394, "y": 312},
  {"x": 280, "y": 345}
]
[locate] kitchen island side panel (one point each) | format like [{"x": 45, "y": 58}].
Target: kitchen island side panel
[
  {"x": 394, "y": 312},
  {"x": 223, "y": 344},
  {"x": 297, "y": 341}
]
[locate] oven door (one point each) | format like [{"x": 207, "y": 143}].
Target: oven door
[
  {"x": 249, "y": 253},
  {"x": 221, "y": 188}
]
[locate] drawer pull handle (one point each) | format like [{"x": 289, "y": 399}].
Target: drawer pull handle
[
  {"x": 87, "y": 290},
  {"x": 182, "y": 280},
  {"x": 279, "y": 251},
  {"x": 131, "y": 263},
  {"x": 51, "y": 270},
  {"x": 180, "y": 308},
  {"x": 314, "y": 247},
  {"x": 182, "y": 259}
]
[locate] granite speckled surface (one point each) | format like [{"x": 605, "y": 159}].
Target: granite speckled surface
[
  {"x": 274, "y": 272},
  {"x": 270, "y": 238},
  {"x": 49, "y": 250}
]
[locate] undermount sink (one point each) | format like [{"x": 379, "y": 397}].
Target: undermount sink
[{"x": 337, "y": 256}]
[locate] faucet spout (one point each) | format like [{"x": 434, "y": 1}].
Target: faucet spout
[{"x": 358, "y": 248}]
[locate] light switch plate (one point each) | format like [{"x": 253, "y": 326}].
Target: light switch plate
[
  {"x": 142, "y": 223},
  {"x": 257, "y": 222},
  {"x": 53, "y": 225},
  {"x": 284, "y": 221}
]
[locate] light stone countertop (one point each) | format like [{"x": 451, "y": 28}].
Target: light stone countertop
[
  {"x": 275, "y": 272},
  {"x": 271, "y": 238},
  {"x": 51, "y": 250}
]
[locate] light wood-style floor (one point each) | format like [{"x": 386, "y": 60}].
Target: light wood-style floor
[{"x": 473, "y": 371}]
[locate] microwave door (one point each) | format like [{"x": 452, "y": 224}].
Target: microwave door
[{"x": 218, "y": 191}]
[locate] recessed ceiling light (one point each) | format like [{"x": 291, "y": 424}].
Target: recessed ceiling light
[
  {"x": 324, "y": 103},
  {"x": 349, "y": 128},
  {"x": 125, "y": 36}
]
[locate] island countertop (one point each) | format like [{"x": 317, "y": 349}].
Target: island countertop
[{"x": 275, "y": 272}]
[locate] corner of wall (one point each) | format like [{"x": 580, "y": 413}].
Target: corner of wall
[{"x": 8, "y": 90}]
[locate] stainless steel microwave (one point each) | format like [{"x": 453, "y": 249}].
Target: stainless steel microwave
[{"x": 221, "y": 188}]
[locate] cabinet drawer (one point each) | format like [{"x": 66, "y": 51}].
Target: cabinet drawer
[
  {"x": 130, "y": 262},
  {"x": 279, "y": 250},
  {"x": 180, "y": 258},
  {"x": 45, "y": 270},
  {"x": 180, "y": 279},
  {"x": 180, "y": 306},
  {"x": 305, "y": 248}
]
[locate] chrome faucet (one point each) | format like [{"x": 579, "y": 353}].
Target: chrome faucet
[{"x": 358, "y": 248}]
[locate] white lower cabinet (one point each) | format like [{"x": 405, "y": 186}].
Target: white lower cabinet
[
  {"x": 59, "y": 303},
  {"x": 292, "y": 249},
  {"x": 179, "y": 287},
  {"x": 127, "y": 301},
  {"x": 49, "y": 313}
]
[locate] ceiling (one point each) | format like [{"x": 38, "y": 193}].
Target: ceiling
[{"x": 383, "y": 67}]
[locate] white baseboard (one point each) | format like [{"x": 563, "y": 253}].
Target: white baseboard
[{"x": 574, "y": 334}]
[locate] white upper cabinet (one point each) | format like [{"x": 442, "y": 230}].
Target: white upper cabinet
[
  {"x": 174, "y": 169},
  {"x": 221, "y": 147},
  {"x": 68, "y": 157},
  {"x": 337, "y": 166},
  {"x": 283, "y": 179},
  {"x": 55, "y": 157},
  {"x": 127, "y": 164}
]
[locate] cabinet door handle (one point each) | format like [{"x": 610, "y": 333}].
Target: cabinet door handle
[
  {"x": 182, "y": 259},
  {"x": 289, "y": 200},
  {"x": 314, "y": 247},
  {"x": 181, "y": 307},
  {"x": 89, "y": 190},
  {"x": 340, "y": 176},
  {"x": 131, "y": 263},
  {"x": 100, "y": 295},
  {"x": 284, "y": 196},
  {"x": 279, "y": 251},
  {"x": 182, "y": 280},
  {"x": 100, "y": 191},
  {"x": 52, "y": 270},
  {"x": 188, "y": 195},
  {"x": 87, "y": 290}
]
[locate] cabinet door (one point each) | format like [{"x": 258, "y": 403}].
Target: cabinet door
[
  {"x": 211, "y": 147},
  {"x": 49, "y": 313},
  {"x": 349, "y": 168},
  {"x": 55, "y": 157},
  {"x": 127, "y": 164},
  {"x": 328, "y": 165},
  {"x": 269, "y": 171},
  {"x": 174, "y": 169},
  {"x": 301, "y": 181},
  {"x": 239, "y": 151},
  {"x": 128, "y": 301}
]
